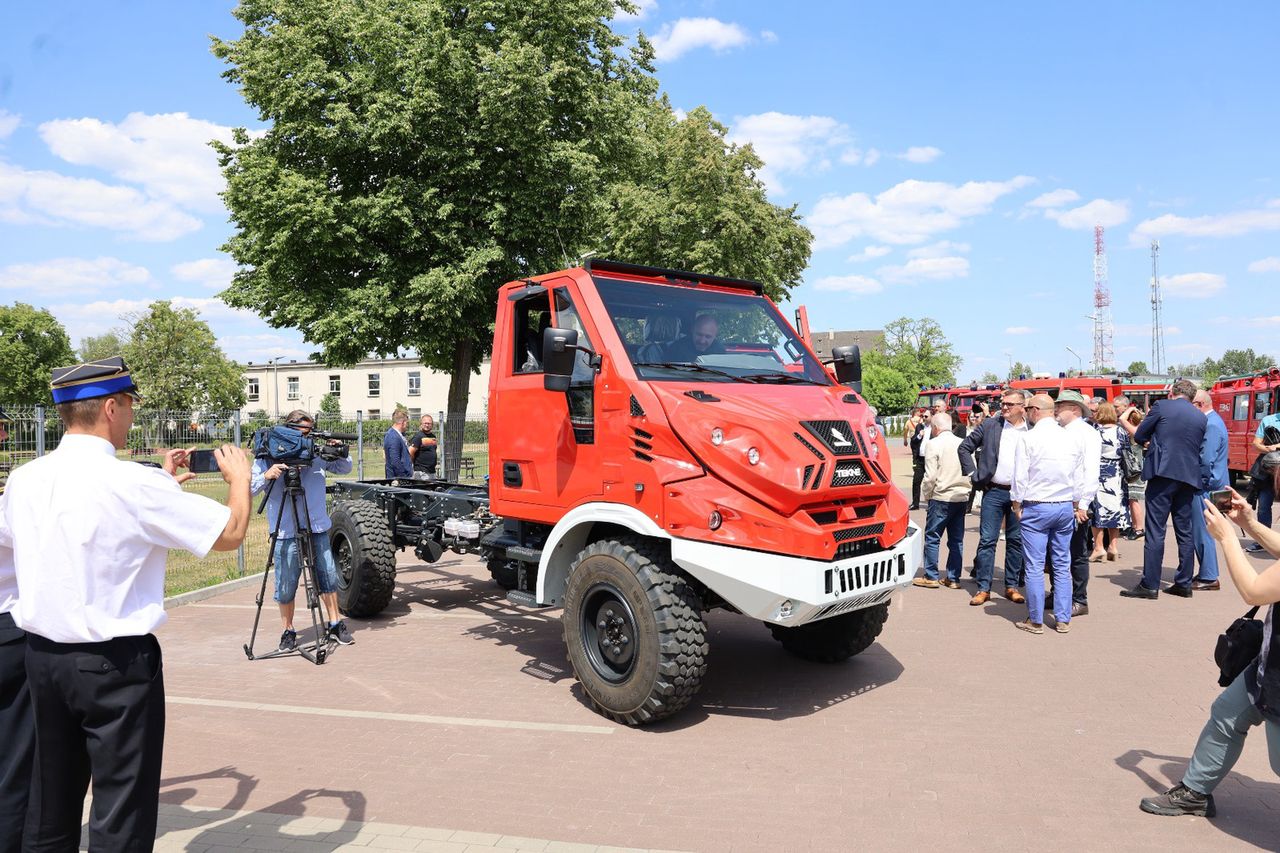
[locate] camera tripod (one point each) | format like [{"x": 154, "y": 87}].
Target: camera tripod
[{"x": 318, "y": 650}]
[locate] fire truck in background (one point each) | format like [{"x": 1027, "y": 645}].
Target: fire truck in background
[
  {"x": 1142, "y": 391},
  {"x": 962, "y": 401},
  {"x": 1243, "y": 401},
  {"x": 929, "y": 396}
]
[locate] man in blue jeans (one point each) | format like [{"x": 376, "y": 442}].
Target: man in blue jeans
[
  {"x": 288, "y": 566},
  {"x": 1213, "y": 471},
  {"x": 992, "y": 444},
  {"x": 1267, "y": 428},
  {"x": 946, "y": 491}
]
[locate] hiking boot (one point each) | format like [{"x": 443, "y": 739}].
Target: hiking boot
[
  {"x": 1180, "y": 800},
  {"x": 339, "y": 634},
  {"x": 1078, "y": 609},
  {"x": 927, "y": 583},
  {"x": 288, "y": 640}
]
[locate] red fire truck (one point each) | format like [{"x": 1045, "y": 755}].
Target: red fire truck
[
  {"x": 1243, "y": 401},
  {"x": 1142, "y": 391},
  {"x": 961, "y": 401},
  {"x": 929, "y": 396}
]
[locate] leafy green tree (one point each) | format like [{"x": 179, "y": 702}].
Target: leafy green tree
[
  {"x": 330, "y": 404},
  {"x": 1237, "y": 361},
  {"x": 106, "y": 345},
  {"x": 32, "y": 343},
  {"x": 989, "y": 378},
  {"x": 884, "y": 387},
  {"x": 419, "y": 155},
  {"x": 694, "y": 201},
  {"x": 177, "y": 362},
  {"x": 1020, "y": 369},
  {"x": 920, "y": 351},
  {"x": 1137, "y": 368}
]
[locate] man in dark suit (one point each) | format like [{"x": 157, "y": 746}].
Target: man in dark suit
[{"x": 1175, "y": 430}]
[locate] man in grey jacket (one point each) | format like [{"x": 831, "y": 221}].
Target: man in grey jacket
[{"x": 946, "y": 490}]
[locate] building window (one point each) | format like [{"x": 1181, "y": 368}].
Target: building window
[
  {"x": 375, "y": 385},
  {"x": 374, "y": 414},
  {"x": 335, "y": 386},
  {"x": 415, "y": 415},
  {"x": 291, "y": 387},
  {"x": 1240, "y": 408},
  {"x": 253, "y": 390},
  {"x": 415, "y": 383}
]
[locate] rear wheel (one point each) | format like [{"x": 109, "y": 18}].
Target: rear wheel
[
  {"x": 835, "y": 639},
  {"x": 365, "y": 558},
  {"x": 634, "y": 631}
]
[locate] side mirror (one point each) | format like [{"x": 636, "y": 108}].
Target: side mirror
[
  {"x": 847, "y": 362},
  {"x": 558, "y": 347}
]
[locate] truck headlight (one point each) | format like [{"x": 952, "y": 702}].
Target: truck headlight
[
  {"x": 717, "y": 436},
  {"x": 753, "y": 456}
]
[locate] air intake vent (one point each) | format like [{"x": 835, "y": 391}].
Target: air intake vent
[
  {"x": 816, "y": 452},
  {"x": 636, "y": 410},
  {"x": 817, "y": 479},
  {"x": 858, "y": 532},
  {"x": 838, "y": 436},
  {"x": 828, "y": 516},
  {"x": 808, "y": 472}
]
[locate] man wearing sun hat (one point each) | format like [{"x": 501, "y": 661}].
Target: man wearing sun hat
[
  {"x": 90, "y": 534},
  {"x": 1073, "y": 412}
]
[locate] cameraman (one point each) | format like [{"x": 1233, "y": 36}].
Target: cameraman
[{"x": 287, "y": 558}]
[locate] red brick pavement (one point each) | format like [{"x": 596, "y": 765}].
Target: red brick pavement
[{"x": 954, "y": 731}]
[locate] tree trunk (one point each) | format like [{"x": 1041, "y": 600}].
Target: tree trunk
[{"x": 456, "y": 410}]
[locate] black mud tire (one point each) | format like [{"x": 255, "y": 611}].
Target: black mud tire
[
  {"x": 505, "y": 573},
  {"x": 365, "y": 558},
  {"x": 835, "y": 639},
  {"x": 634, "y": 579}
]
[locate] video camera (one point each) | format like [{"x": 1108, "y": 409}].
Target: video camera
[{"x": 286, "y": 444}]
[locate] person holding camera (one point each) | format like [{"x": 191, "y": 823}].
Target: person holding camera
[
  {"x": 90, "y": 536},
  {"x": 286, "y": 557},
  {"x": 1253, "y": 698}
]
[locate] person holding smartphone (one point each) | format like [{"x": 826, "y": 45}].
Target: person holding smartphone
[{"x": 1253, "y": 699}]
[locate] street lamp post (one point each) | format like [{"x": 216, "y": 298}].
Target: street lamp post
[
  {"x": 1079, "y": 361},
  {"x": 275, "y": 383},
  {"x": 1009, "y": 354}
]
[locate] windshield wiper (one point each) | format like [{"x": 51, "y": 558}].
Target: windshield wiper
[
  {"x": 687, "y": 365},
  {"x": 781, "y": 378}
]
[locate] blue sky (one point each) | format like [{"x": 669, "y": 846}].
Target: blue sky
[{"x": 952, "y": 160}]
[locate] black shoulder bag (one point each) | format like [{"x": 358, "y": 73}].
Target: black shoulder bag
[{"x": 1237, "y": 647}]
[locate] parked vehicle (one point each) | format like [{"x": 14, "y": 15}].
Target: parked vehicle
[
  {"x": 641, "y": 475},
  {"x": 961, "y": 401},
  {"x": 1142, "y": 391},
  {"x": 1243, "y": 401}
]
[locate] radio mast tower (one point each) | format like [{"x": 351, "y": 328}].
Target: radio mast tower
[
  {"x": 1103, "y": 329},
  {"x": 1157, "y": 322}
]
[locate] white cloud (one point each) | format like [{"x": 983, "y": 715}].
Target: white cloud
[
  {"x": 1192, "y": 285},
  {"x": 644, "y": 8},
  {"x": 1265, "y": 265},
  {"x": 8, "y": 123},
  {"x": 871, "y": 157},
  {"x": 909, "y": 212},
  {"x": 768, "y": 36},
  {"x": 72, "y": 275},
  {"x": 1054, "y": 198},
  {"x": 920, "y": 154},
  {"x": 1100, "y": 211},
  {"x": 213, "y": 273},
  {"x": 168, "y": 154},
  {"x": 1019, "y": 330},
  {"x": 790, "y": 143},
  {"x": 870, "y": 253},
  {"x": 859, "y": 285},
  {"x": 1224, "y": 225},
  {"x": 858, "y": 157},
  {"x": 674, "y": 40},
  {"x": 260, "y": 348},
  {"x": 939, "y": 250},
  {"x": 930, "y": 269},
  {"x": 48, "y": 198}
]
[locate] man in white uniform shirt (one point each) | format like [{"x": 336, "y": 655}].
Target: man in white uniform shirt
[
  {"x": 90, "y": 535},
  {"x": 16, "y": 720},
  {"x": 1048, "y": 485},
  {"x": 1071, "y": 410}
]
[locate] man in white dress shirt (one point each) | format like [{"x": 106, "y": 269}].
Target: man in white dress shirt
[
  {"x": 16, "y": 720},
  {"x": 1071, "y": 410},
  {"x": 1048, "y": 485},
  {"x": 90, "y": 534}
]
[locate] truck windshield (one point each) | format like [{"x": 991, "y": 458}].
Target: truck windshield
[{"x": 672, "y": 332}]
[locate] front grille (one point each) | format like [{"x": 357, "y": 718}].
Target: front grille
[
  {"x": 816, "y": 452},
  {"x": 838, "y": 436},
  {"x": 808, "y": 472},
  {"x": 817, "y": 480},
  {"x": 859, "y": 532},
  {"x": 870, "y": 599},
  {"x": 849, "y": 473},
  {"x": 857, "y": 548},
  {"x": 864, "y": 576},
  {"x": 828, "y": 516}
]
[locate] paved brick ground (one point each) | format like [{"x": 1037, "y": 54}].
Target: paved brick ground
[{"x": 456, "y": 710}]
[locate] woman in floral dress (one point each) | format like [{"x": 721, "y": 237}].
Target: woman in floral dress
[{"x": 1111, "y": 505}]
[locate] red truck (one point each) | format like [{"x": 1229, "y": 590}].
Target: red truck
[{"x": 1243, "y": 401}]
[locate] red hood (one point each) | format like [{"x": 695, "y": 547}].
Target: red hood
[{"x": 806, "y": 435}]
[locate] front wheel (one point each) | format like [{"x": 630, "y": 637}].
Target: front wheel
[
  {"x": 835, "y": 639},
  {"x": 634, "y": 631},
  {"x": 364, "y": 557}
]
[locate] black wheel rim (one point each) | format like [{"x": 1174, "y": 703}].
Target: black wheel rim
[
  {"x": 343, "y": 560},
  {"x": 608, "y": 632}
]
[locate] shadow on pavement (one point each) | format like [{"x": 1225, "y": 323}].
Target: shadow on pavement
[{"x": 1243, "y": 810}]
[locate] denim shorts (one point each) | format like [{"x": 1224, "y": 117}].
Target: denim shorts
[{"x": 289, "y": 567}]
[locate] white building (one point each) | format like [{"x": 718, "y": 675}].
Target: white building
[{"x": 373, "y": 386}]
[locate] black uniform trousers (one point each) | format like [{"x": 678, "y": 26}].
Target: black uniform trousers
[
  {"x": 17, "y": 725},
  {"x": 99, "y": 711},
  {"x": 1163, "y": 497},
  {"x": 1081, "y": 546},
  {"x": 917, "y": 478}
]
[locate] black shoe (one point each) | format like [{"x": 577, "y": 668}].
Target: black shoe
[
  {"x": 1207, "y": 586},
  {"x": 1180, "y": 591},
  {"x": 288, "y": 640},
  {"x": 1140, "y": 591},
  {"x": 1180, "y": 800},
  {"x": 340, "y": 634},
  {"x": 1130, "y": 534},
  {"x": 1255, "y": 548},
  {"x": 1078, "y": 609}
]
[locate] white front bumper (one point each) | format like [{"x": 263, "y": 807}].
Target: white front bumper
[{"x": 758, "y": 584}]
